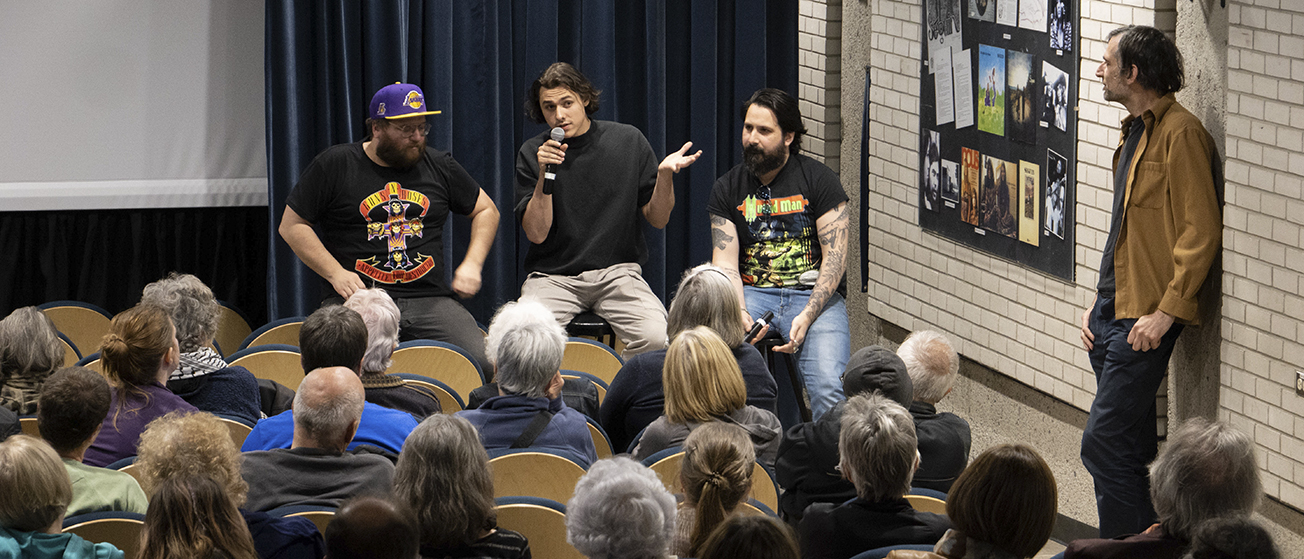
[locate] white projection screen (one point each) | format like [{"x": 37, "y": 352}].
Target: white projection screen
[{"x": 116, "y": 104}]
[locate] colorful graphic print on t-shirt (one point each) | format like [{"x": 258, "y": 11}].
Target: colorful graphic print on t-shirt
[
  {"x": 784, "y": 234},
  {"x": 387, "y": 213}
]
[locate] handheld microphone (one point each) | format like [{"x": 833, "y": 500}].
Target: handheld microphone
[
  {"x": 548, "y": 173},
  {"x": 756, "y": 326}
]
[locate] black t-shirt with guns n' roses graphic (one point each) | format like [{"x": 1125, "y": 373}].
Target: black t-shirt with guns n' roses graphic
[
  {"x": 385, "y": 224},
  {"x": 777, "y": 234}
]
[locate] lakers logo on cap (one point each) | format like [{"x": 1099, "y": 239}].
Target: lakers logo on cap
[
  {"x": 381, "y": 110},
  {"x": 414, "y": 100}
]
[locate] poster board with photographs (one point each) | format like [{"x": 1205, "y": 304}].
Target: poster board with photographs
[{"x": 998, "y": 128}]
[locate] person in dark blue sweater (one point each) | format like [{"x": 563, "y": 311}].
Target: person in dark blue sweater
[{"x": 526, "y": 344}]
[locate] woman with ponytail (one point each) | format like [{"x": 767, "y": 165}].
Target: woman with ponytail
[
  {"x": 137, "y": 354},
  {"x": 716, "y": 476}
]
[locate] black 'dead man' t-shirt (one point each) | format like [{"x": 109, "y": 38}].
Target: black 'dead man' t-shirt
[{"x": 383, "y": 223}]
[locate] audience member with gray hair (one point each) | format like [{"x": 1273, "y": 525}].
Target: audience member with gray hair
[
  {"x": 621, "y": 510},
  {"x": 335, "y": 336},
  {"x": 316, "y": 470},
  {"x": 944, "y": 438},
  {"x": 705, "y": 297},
  {"x": 29, "y": 351},
  {"x": 202, "y": 378},
  {"x": 1207, "y": 470},
  {"x": 877, "y": 446},
  {"x": 381, "y": 316},
  {"x": 526, "y": 344},
  {"x": 807, "y": 467}
]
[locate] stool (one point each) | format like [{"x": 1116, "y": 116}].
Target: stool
[
  {"x": 591, "y": 325},
  {"x": 766, "y": 346}
]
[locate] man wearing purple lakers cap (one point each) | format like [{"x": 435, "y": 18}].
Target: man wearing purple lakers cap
[{"x": 372, "y": 213}]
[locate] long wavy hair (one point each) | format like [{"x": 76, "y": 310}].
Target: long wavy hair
[
  {"x": 192, "y": 517},
  {"x": 443, "y": 476}
]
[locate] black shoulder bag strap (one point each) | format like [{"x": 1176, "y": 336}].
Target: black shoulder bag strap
[{"x": 536, "y": 426}]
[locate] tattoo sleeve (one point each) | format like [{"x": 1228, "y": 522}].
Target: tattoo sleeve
[
  {"x": 833, "y": 243},
  {"x": 719, "y": 238}
]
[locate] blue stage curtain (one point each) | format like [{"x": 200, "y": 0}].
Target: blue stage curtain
[{"x": 677, "y": 69}]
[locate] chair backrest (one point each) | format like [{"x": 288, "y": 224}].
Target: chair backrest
[
  {"x": 92, "y": 362},
  {"x": 541, "y": 521},
  {"x": 283, "y": 331},
  {"x": 278, "y": 363},
  {"x": 535, "y": 474},
  {"x": 923, "y": 503},
  {"x": 232, "y": 329},
  {"x": 593, "y": 358},
  {"x": 449, "y": 401},
  {"x": 239, "y": 431},
  {"x": 84, "y": 324},
  {"x": 132, "y": 470},
  {"x": 122, "y": 529},
  {"x": 599, "y": 384},
  {"x": 31, "y": 427},
  {"x": 71, "y": 355},
  {"x": 601, "y": 442},
  {"x": 667, "y": 464},
  {"x": 752, "y": 507},
  {"x": 322, "y": 518},
  {"x": 763, "y": 487},
  {"x": 881, "y": 552},
  {"x": 441, "y": 361}
]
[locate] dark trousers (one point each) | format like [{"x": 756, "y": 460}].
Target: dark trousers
[{"x": 1120, "y": 440}]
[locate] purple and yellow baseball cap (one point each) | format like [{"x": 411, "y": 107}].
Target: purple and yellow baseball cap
[{"x": 399, "y": 100}]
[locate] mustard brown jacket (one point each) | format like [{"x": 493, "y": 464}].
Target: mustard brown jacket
[{"x": 1172, "y": 221}]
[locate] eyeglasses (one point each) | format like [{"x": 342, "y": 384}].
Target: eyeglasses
[
  {"x": 408, "y": 129},
  {"x": 764, "y": 194}
]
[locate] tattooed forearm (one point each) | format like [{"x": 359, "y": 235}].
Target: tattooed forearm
[
  {"x": 720, "y": 239},
  {"x": 833, "y": 244}
]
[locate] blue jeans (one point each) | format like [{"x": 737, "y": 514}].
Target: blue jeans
[
  {"x": 822, "y": 357},
  {"x": 1120, "y": 440}
]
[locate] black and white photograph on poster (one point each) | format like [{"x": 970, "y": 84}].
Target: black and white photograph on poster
[
  {"x": 1032, "y": 15},
  {"x": 1007, "y": 12},
  {"x": 1021, "y": 96},
  {"x": 932, "y": 179},
  {"x": 982, "y": 10},
  {"x": 1061, "y": 25},
  {"x": 1057, "y": 176},
  {"x": 999, "y": 196},
  {"x": 943, "y": 30},
  {"x": 1054, "y": 97},
  {"x": 951, "y": 182}
]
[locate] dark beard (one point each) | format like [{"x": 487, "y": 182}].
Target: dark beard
[
  {"x": 396, "y": 156},
  {"x": 758, "y": 162}
]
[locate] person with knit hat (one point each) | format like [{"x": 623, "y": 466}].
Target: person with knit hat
[{"x": 807, "y": 466}]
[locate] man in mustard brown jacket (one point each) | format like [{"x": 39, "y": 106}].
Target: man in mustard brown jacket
[{"x": 1163, "y": 238}]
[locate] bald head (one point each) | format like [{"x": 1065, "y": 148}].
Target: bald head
[{"x": 328, "y": 408}]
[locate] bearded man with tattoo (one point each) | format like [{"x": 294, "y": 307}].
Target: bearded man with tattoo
[{"x": 779, "y": 229}]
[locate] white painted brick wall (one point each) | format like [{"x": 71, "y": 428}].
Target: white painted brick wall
[
  {"x": 1003, "y": 315},
  {"x": 819, "y": 50},
  {"x": 1263, "y": 312}
]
